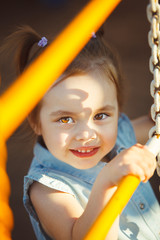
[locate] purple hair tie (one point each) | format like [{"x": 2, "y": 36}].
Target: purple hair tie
[
  {"x": 43, "y": 42},
  {"x": 94, "y": 35}
]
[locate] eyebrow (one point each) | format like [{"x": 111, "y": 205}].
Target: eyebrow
[
  {"x": 61, "y": 113},
  {"x": 68, "y": 113},
  {"x": 107, "y": 108}
]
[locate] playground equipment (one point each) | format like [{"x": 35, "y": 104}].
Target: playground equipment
[{"x": 37, "y": 79}]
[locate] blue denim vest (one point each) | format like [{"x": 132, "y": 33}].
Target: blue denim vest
[{"x": 140, "y": 220}]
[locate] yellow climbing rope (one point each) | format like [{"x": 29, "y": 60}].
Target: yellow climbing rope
[{"x": 6, "y": 217}]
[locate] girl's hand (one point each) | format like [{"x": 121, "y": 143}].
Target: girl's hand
[{"x": 137, "y": 160}]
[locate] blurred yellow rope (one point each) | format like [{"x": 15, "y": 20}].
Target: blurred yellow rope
[{"x": 6, "y": 217}]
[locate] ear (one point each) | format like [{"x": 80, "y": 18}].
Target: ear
[{"x": 35, "y": 126}]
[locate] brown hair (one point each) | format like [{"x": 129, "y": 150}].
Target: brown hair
[{"x": 96, "y": 55}]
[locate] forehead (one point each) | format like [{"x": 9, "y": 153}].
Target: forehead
[{"x": 84, "y": 89}]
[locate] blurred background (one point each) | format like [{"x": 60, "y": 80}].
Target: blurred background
[{"x": 126, "y": 29}]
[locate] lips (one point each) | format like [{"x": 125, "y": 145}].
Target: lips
[{"x": 85, "y": 152}]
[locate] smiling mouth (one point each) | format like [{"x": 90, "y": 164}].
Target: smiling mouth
[{"x": 82, "y": 153}]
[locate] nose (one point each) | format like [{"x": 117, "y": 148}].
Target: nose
[{"x": 85, "y": 133}]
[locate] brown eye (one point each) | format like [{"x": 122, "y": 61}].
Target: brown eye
[
  {"x": 66, "y": 120},
  {"x": 100, "y": 116}
]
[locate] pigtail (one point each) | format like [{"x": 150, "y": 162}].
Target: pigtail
[
  {"x": 27, "y": 38},
  {"x": 21, "y": 42},
  {"x": 20, "y": 48}
]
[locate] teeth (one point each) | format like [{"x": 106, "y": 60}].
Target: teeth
[{"x": 84, "y": 151}]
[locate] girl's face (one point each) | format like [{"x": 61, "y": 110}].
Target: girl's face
[{"x": 78, "y": 120}]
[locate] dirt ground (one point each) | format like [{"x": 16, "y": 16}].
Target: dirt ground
[{"x": 126, "y": 29}]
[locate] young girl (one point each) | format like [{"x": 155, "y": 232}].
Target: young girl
[{"x": 85, "y": 146}]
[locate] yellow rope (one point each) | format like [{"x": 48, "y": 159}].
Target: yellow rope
[{"x": 6, "y": 217}]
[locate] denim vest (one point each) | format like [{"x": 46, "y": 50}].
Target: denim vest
[{"x": 140, "y": 220}]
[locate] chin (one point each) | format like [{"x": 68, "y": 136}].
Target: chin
[{"x": 85, "y": 165}]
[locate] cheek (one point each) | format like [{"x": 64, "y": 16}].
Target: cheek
[
  {"x": 62, "y": 139},
  {"x": 109, "y": 135},
  {"x": 56, "y": 138}
]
